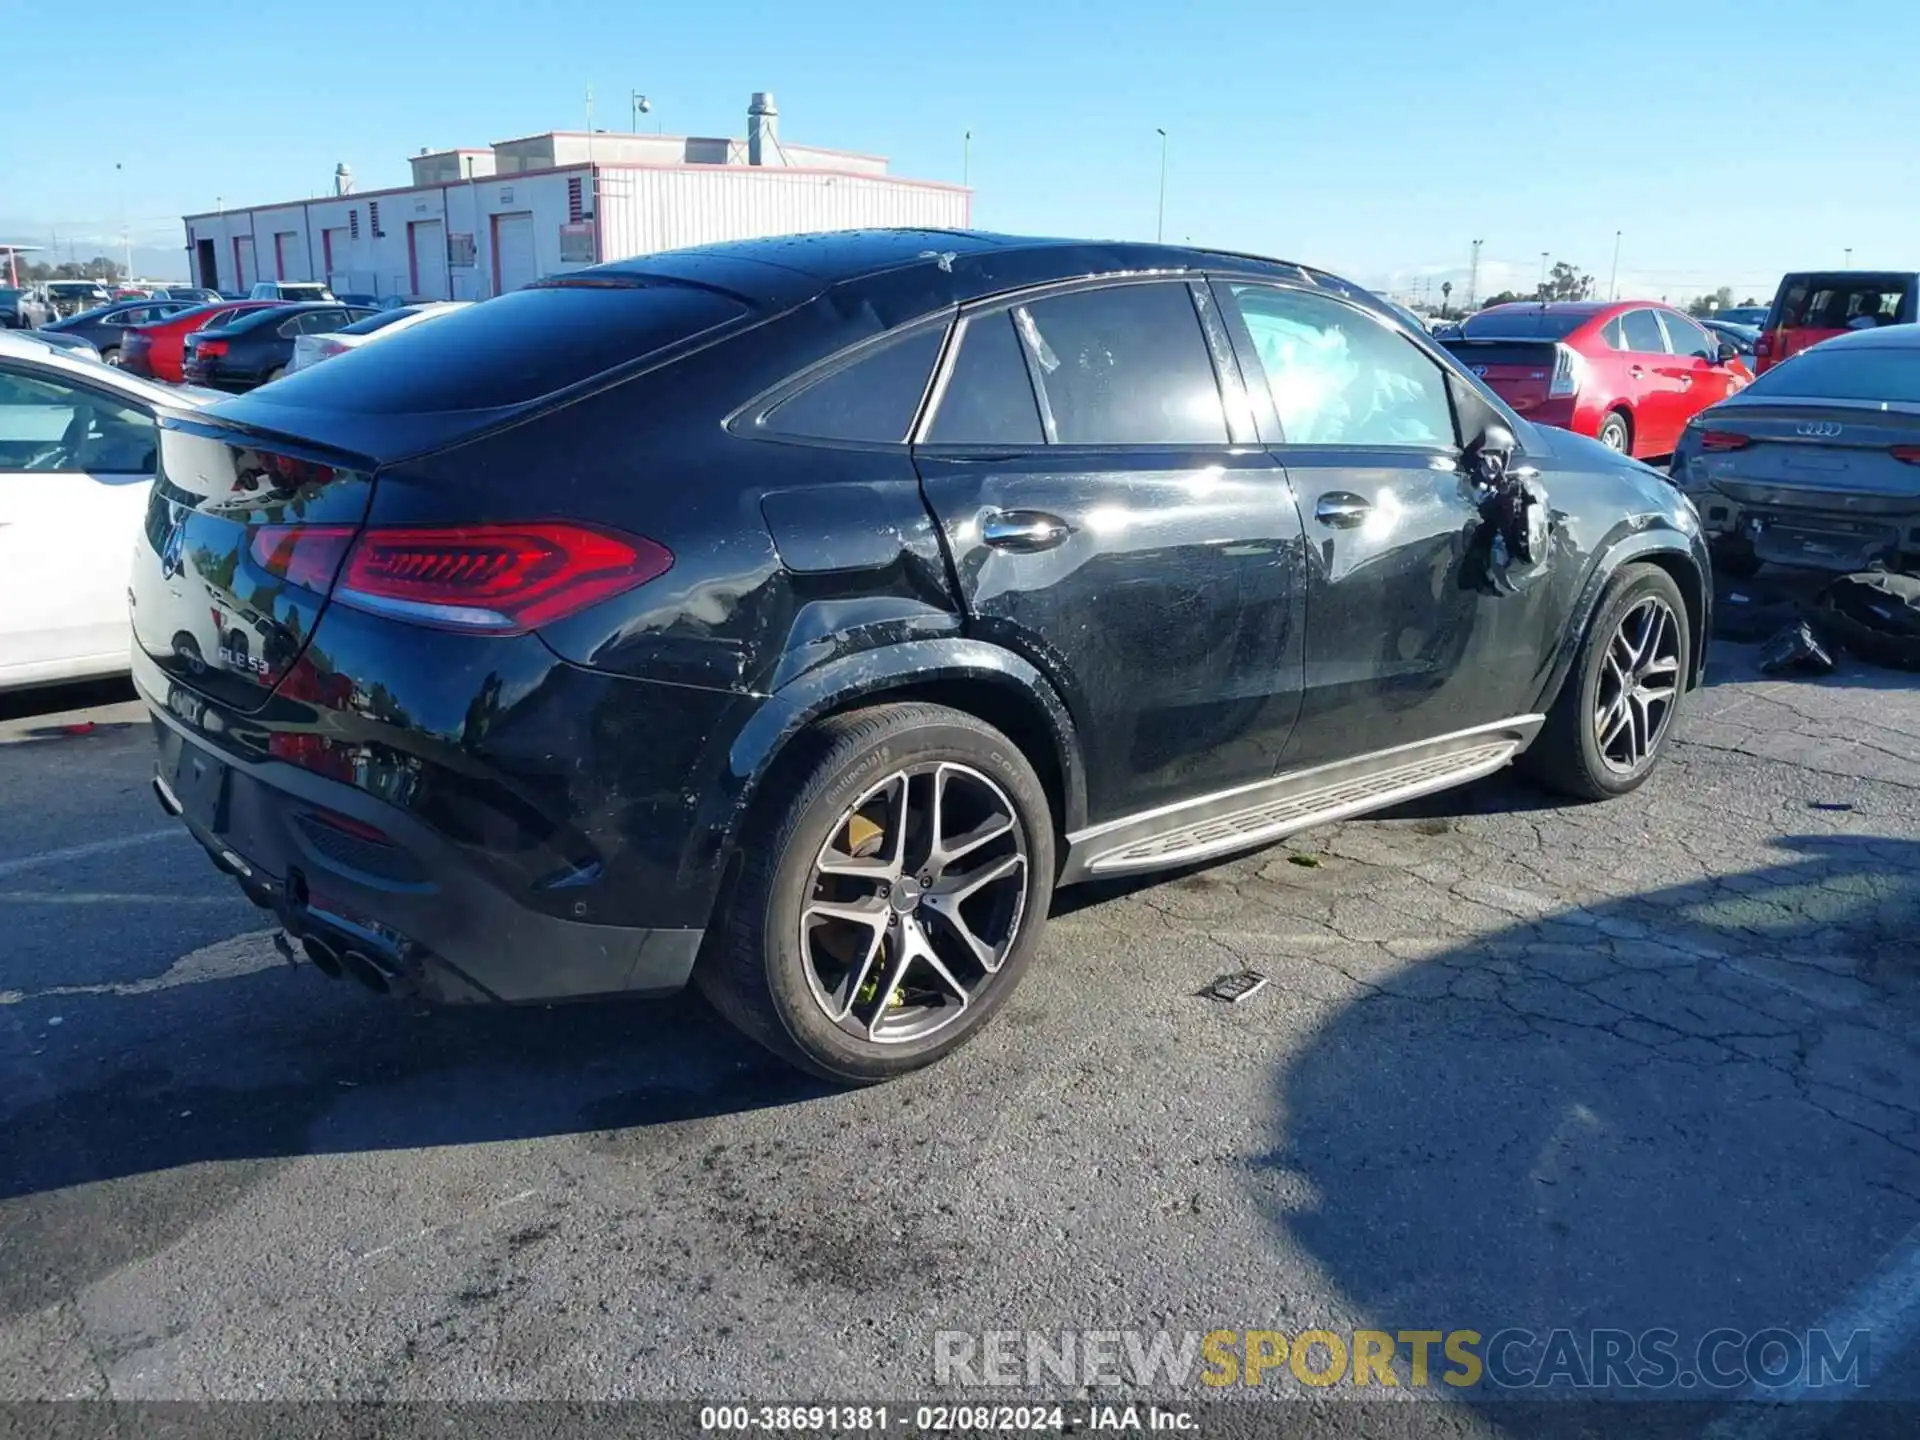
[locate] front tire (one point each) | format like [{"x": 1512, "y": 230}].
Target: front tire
[
  {"x": 1616, "y": 434},
  {"x": 890, "y": 894},
  {"x": 1607, "y": 728}
]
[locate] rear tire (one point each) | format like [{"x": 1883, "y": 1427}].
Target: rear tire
[
  {"x": 111, "y": 356},
  {"x": 1616, "y": 710},
  {"x": 1616, "y": 433},
  {"x": 818, "y": 950}
]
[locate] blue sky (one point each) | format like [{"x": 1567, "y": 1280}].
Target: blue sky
[{"x": 1729, "y": 142}]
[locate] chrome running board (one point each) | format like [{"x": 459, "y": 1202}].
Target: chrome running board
[{"x": 1257, "y": 814}]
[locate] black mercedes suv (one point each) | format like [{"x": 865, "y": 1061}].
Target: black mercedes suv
[{"x": 793, "y": 616}]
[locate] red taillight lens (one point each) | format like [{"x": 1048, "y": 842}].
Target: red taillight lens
[
  {"x": 1724, "y": 440},
  {"x": 307, "y": 555},
  {"x": 1909, "y": 453},
  {"x": 210, "y": 347},
  {"x": 503, "y": 579},
  {"x": 500, "y": 579}
]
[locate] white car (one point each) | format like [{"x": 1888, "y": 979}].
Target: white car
[
  {"x": 310, "y": 350},
  {"x": 78, "y": 442}
]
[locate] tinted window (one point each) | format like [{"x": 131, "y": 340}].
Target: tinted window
[
  {"x": 988, "y": 399},
  {"x": 54, "y": 426},
  {"x": 321, "y": 322},
  {"x": 1642, "y": 331},
  {"x": 1686, "y": 338},
  {"x": 514, "y": 348},
  {"x": 1124, "y": 365},
  {"x": 875, "y": 398},
  {"x": 1610, "y": 333},
  {"x": 1506, "y": 323},
  {"x": 377, "y": 321},
  {"x": 1890, "y": 374},
  {"x": 1836, "y": 302},
  {"x": 1340, "y": 377}
]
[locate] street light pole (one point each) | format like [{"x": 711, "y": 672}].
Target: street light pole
[
  {"x": 1473, "y": 275},
  {"x": 1543, "y": 274},
  {"x": 126, "y": 234},
  {"x": 1849, "y": 257},
  {"x": 1613, "y": 280},
  {"x": 1160, "y": 224},
  {"x": 966, "y": 159}
]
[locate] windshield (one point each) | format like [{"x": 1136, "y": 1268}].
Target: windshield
[{"x": 1524, "y": 324}]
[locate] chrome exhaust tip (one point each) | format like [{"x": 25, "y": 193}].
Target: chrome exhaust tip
[
  {"x": 169, "y": 802},
  {"x": 324, "y": 957},
  {"x": 361, "y": 968}
]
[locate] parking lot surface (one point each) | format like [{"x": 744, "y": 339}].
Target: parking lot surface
[{"x": 1520, "y": 1063}]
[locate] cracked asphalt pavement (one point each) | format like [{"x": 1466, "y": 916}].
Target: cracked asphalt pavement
[{"x": 1648, "y": 1063}]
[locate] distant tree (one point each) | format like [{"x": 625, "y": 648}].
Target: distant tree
[
  {"x": 1505, "y": 297},
  {"x": 1565, "y": 283},
  {"x": 1750, "y": 301},
  {"x": 1721, "y": 299}
]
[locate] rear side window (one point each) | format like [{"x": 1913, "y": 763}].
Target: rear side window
[
  {"x": 1123, "y": 365},
  {"x": 873, "y": 399},
  {"x": 1611, "y": 334},
  {"x": 1642, "y": 331},
  {"x": 513, "y": 349},
  {"x": 988, "y": 398}
]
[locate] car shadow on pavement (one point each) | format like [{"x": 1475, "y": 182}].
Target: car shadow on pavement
[
  {"x": 1690, "y": 1108},
  {"x": 283, "y": 1063}
]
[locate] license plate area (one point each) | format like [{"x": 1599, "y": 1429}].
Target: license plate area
[{"x": 200, "y": 784}]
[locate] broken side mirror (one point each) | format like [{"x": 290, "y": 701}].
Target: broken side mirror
[
  {"x": 1726, "y": 354},
  {"x": 1490, "y": 454}
]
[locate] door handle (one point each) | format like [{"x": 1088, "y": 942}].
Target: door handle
[
  {"x": 1635, "y": 371},
  {"x": 1342, "y": 510},
  {"x": 1023, "y": 530}
]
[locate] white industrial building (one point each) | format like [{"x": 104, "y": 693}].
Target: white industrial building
[{"x": 476, "y": 223}]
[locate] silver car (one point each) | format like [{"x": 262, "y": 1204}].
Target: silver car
[{"x": 1816, "y": 464}]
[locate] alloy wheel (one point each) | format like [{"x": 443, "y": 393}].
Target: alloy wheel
[
  {"x": 1639, "y": 682},
  {"x": 915, "y": 902}
]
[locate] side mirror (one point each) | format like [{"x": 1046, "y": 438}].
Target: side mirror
[
  {"x": 1726, "y": 353},
  {"x": 1489, "y": 455}
]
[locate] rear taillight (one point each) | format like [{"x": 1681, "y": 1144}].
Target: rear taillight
[
  {"x": 1908, "y": 453},
  {"x": 498, "y": 579},
  {"x": 1569, "y": 372},
  {"x": 209, "y": 347},
  {"x": 1724, "y": 440}
]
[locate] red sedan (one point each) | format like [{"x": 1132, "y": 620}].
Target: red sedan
[
  {"x": 157, "y": 351},
  {"x": 1630, "y": 374}
]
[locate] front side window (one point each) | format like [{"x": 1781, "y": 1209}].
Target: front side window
[
  {"x": 1340, "y": 377},
  {"x": 988, "y": 399},
  {"x": 48, "y": 424},
  {"x": 1686, "y": 338},
  {"x": 1642, "y": 330},
  {"x": 872, "y": 399},
  {"x": 1123, "y": 365}
]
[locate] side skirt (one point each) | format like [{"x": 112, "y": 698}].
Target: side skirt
[{"x": 1257, "y": 814}]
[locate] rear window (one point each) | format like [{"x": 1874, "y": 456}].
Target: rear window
[
  {"x": 379, "y": 321},
  {"x": 1889, "y": 373},
  {"x": 1836, "y": 302},
  {"x": 1523, "y": 325},
  {"x": 512, "y": 349}
]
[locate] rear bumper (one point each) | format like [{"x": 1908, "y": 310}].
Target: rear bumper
[
  {"x": 415, "y": 908},
  {"x": 1840, "y": 533}
]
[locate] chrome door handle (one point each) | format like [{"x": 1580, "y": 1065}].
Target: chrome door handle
[
  {"x": 1342, "y": 510},
  {"x": 1635, "y": 371},
  {"x": 1022, "y": 529}
]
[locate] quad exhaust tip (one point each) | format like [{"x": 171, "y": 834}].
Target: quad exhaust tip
[
  {"x": 324, "y": 957},
  {"x": 362, "y": 968}
]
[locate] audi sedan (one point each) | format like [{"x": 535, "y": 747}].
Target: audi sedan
[
  {"x": 1816, "y": 464},
  {"x": 792, "y": 617}
]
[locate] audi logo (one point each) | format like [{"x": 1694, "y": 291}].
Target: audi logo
[{"x": 1817, "y": 429}]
